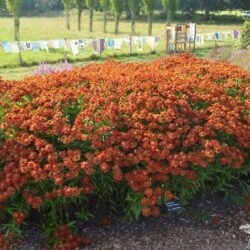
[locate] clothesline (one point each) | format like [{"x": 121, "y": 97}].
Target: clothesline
[
  {"x": 77, "y": 46},
  {"x": 217, "y": 36},
  {"x": 99, "y": 45}
]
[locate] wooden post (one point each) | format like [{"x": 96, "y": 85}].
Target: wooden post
[
  {"x": 185, "y": 37},
  {"x": 66, "y": 50},
  {"x": 175, "y": 38},
  {"x": 167, "y": 39},
  {"x": 130, "y": 44},
  {"x": 195, "y": 38},
  {"x": 19, "y": 54},
  {"x": 100, "y": 52},
  {"x": 150, "y": 44}
]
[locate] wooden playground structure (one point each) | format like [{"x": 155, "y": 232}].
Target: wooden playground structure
[{"x": 180, "y": 38}]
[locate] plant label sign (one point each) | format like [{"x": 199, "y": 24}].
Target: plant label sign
[
  {"x": 173, "y": 206},
  {"x": 246, "y": 229}
]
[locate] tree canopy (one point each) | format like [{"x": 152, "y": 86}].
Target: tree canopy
[{"x": 40, "y": 6}]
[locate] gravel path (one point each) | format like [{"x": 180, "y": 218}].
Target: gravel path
[{"x": 189, "y": 230}]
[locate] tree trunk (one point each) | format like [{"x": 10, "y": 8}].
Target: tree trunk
[
  {"x": 67, "y": 18},
  {"x": 117, "y": 20},
  {"x": 79, "y": 18},
  {"x": 17, "y": 38},
  {"x": 207, "y": 14},
  {"x": 105, "y": 20},
  {"x": 17, "y": 26},
  {"x": 91, "y": 15},
  {"x": 133, "y": 23},
  {"x": 128, "y": 13},
  {"x": 150, "y": 23},
  {"x": 169, "y": 17}
]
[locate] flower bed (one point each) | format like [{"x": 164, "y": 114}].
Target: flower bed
[{"x": 121, "y": 136}]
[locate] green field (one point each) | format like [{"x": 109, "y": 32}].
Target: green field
[{"x": 45, "y": 28}]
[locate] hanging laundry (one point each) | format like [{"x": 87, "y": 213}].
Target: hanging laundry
[
  {"x": 217, "y": 36},
  {"x": 67, "y": 45},
  {"x": 110, "y": 43},
  {"x": 171, "y": 47},
  {"x": 157, "y": 39},
  {"x": 235, "y": 34},
  {"x": 202, "y": 40},
  {"x": 139, "y": 44},
  {"x": 144, "y": 39},
  {"x": 192, "y": 31},
  {"x": 98, "y": 46},
  {"x": 81, "y": 46},
  {"x": 173, "y": 35},
  {"x": 74, "y": 47},
  {"x": 118, "y": 43},
  {"x": 95, "y": 47},
  {"x": 135, "y": 40},
  {"x": 35, "y": 46},
  {"x": 54, "y": 44},
  {"x": 190, "y": 38},
  {"x": 22, "y": 46},
  {"x": 14, "y": 47},
  {"x": 102, "y": 45},
  {"x": 6, "y": 47},
  {"x": 198, "y": 39},
  {"x": 151, "y": 42},
  {"x": 43, "y": 45},
  {"x": 28, "y": 46},
  {"x": 89, "y": 42},
  {"x": 126, "y": 40},
  {"x": 62, "y": 44}
]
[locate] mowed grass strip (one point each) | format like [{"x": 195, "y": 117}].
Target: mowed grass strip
[{"x": 54, "y": 27}]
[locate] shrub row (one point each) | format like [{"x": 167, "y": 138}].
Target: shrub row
[{"x": 121, "y": 136}]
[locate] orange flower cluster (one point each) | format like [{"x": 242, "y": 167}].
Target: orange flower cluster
[
  {"x": 19, "y": 217},
  {"x": 4, "y": 244},
  {"x": 69, "y": 240},
  {"x": 141, "y": 123}
]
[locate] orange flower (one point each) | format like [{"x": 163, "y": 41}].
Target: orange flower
[{"x": 19, "y": 217}]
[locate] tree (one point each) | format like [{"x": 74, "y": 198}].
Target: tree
[
  {"x": 134, "y": 6},
  {"x": 210, "y": 5},
  {"x": 170, "y": 7},
  {"x": 67, "y": 6},
  {"x": 1, "y": 4},
  {"x": 91, "y": 6},
  {"x": 14, "y": 7},
  {"x": 149, "y": 8},
  {"x": 241, "y": 4},
  {"x": 188, "y": 7},
  {"x": 117, "y": 7},
  {"x": 205, "y": 5},
  {"x": 105, "y": 5},
  {"x": 35, "y": 7},
  {"x": 79, "y": 6},
  {"x": 245, "y": 35}
]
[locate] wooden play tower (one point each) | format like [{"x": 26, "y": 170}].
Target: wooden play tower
[{"x": 180, "y": 38}]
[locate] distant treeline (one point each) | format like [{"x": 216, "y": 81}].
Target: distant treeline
[{"x": 34, "y": 7}]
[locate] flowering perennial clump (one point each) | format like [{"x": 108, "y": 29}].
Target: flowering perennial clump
[
  {"x": 45, "y": 68},
  {"x": 143, "y": 133}
]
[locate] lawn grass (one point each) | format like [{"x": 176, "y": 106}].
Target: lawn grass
[
  {"x": 46, "y": 28},
  {"x": 19, "y": 72}
]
